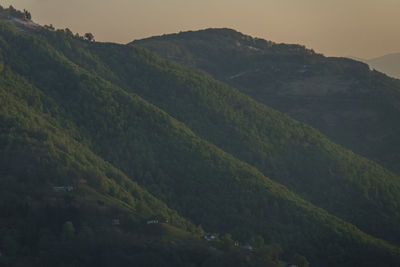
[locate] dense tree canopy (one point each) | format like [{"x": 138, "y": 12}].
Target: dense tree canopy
[{"x": 86, "y": 163}]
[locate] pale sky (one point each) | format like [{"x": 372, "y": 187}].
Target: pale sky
[{"x": 359, "y": 28}]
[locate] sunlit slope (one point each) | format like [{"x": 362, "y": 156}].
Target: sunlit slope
[
  {"x": 352, "y": 105},
  {"x": 191, "y": 175},
  {"x": 39, "y": 154},
  {"x": 287, "y": 151}
]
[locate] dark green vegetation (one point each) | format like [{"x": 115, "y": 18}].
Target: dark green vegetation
[
  {"x": 70, "y": 115},
  {"x": 287, "y": 151},
  {"x": 102, "y": 221},
  {"x": 353, "y": 106}
]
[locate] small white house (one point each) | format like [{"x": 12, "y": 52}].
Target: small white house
[
  {"x": 209, "y": 237},
  {"x": 247, "y": 246},
  {"x": 152, "y": 222},
  {"x": 68, "y": 188}
]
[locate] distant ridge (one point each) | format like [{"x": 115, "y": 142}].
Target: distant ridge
[
  {"x": 388, "y": 64},
  {"x": 342, "y": 97}
]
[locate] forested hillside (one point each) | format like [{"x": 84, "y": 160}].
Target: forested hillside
[
  {"x": 58, "y": 200},
  {"x": 345, "y": 100},
  {"x": 86, "y": 162},
  {"x": 287, "y": 151}
]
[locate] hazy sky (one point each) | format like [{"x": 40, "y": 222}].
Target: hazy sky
[{"x": 360, "y": 28}]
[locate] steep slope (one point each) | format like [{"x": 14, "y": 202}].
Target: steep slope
[
  {"x": 62, "y": 205},
  {"x": 287, "y": 151},
  {"x": 328, "y": 176},
  {"x": 353, "y": 106},
  {"x": 102, "y": 221},
  {"x": 40, "y": 225},
  {"x": 201, "y": 181},
  {"x": 389, "y": 64}
]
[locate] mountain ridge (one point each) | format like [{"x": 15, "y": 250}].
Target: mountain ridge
[
  {"x": 233, "y": 134},
  {"x": 389, "y": 64},
  {"x": 191, "y": 174},
  {"x": 354, "y": 106}
]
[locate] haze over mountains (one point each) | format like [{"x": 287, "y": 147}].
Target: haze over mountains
[
  {"x": 389, "y": 64},
  {"x": 114, "y": 156}
]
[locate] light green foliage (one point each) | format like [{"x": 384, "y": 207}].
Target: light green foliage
[
  {"x": 69, "y": 115},
  {"x": 68, "y": 231},
  {"x": 289, "y": 152}
]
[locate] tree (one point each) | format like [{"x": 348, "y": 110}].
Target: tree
[
  {"x": 50, "y": 27},
  {"x": 227, "y": 241},
  {"x": 257, "y": 241},
  {"x": 273, "y": 251},
  {"x": 301, "y": 261},
  {"x": 68, "y": 32},
  {"x": 27, "y": 14},
  {"x": 13, "y": 12},
  {"x": 68, "y": 231},
  {"x": 89, "y": 36}
]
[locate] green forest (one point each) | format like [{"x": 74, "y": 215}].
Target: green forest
[
  {"x": 114, "y": 156},
  {"x": 351, "y": 104}
]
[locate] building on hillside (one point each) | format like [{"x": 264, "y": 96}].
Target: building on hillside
[
  {"x": 68, "y": 188},
  {"x": 152, "y": 222},
  {"x": 209, "y": 237},
  {"x": 247, "y": 246}
]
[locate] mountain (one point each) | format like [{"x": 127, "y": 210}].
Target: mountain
[
  {"x": 388, "y": 64},
  {"x": 62, "y": 205},
  {"x": 288, "y": 152},
  {"x": 345, "y": 100},
  {"x": 59, "y": 200},
  {"x": 161, "y": 88},
  {"x": 71, "y": 114}
]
